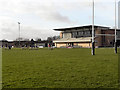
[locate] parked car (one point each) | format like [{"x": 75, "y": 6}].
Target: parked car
[{"x": 40, "y": 47}]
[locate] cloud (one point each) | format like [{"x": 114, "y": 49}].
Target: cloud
[
  {"x": 54, "y": 16},
  {"x": 32, "y": 32},
  {"x": 49, "y": 10},
  {"x": 9, "y": 30},
  {"x": 44, "y": 9}
]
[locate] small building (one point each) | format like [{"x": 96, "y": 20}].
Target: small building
[{"x": 82, "y": 37}]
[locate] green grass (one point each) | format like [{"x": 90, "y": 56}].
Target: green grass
[{"x": 59, "y": 68}]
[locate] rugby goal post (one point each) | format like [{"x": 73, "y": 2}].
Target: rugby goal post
[{"x": 93, "y": 31}]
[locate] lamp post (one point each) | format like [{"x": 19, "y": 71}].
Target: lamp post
[
  {"x": 115, "y": 31},
  {"x": 93, "y": 31},
  {"x": 19, "y": 32}
]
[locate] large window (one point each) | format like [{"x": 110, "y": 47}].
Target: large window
[
  {"x": 74, "y": 34},
  {"x": 81, "y": 34}
]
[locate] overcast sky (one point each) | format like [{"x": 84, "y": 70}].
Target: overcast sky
[{"x": 38, "y": 18}]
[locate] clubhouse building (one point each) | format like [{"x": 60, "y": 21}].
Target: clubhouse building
[{"x": 82, "y": 37}]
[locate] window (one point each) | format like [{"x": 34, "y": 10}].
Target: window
[{"x": 74, "y": 34}]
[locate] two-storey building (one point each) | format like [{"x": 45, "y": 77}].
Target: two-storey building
[{"x": 82, "y": 37}]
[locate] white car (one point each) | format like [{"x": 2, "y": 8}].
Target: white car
[{"x": 40, "y": 47}]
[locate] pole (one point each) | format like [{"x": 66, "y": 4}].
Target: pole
[
  {"x": 93, "y": 32},
  {"x": 115, "y": 31},
  {"x": 19, "y": 32}
]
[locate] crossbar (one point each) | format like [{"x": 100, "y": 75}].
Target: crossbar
[{"x": 104, "y": 35}]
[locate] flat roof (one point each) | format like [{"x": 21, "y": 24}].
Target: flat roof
[{"x": 80, "y": 27}]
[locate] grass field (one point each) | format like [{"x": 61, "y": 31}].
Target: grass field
[{"x": 59, "y": 68}]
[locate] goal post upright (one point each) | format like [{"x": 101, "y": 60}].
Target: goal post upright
[
  {"x": 115, "y": 44},
  {"x": 93, "y": 31}
]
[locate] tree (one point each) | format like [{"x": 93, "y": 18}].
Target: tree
[
  {"x": 19, "y": 39},
  {"x": 50, "y": 40},
  {"x": 22, "y": 39},
  {"x": 4, "y": 40},
  {"x": 32, "y": 42},
  {"x": 26, "y": 39},
  {"x": 56, "y": 37},
  {"x": 38, "y": 39}
]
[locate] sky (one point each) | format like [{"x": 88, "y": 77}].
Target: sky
[{"x": 38, "y": 18}]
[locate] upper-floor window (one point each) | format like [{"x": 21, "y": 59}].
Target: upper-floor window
[{"x": 77, "y": 34}]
